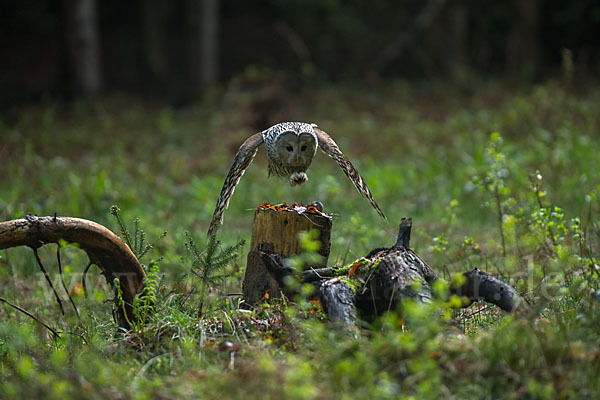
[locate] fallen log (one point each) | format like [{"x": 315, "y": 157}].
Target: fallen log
[
  {"x": 387, "y": 276},
  {"x": 103, "y": 247},
  {"x": 479, "y": 286}
]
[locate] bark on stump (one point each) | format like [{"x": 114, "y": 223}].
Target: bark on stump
[{"x": 278, "y": 232}]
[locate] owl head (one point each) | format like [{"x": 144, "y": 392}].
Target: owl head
[{"x": 291, "y": 144}]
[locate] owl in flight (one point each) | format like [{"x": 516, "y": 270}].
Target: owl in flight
[{"x": 291, "y": 147}]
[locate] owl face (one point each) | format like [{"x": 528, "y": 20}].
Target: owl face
[
  {"x": 291, "y": 147},
  {"x": 295, "y": 150}
]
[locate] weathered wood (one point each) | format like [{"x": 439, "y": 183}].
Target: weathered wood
[
  {"x": 337, "y": 299},
  {"x": 278, "y": 270},
  {"x": 317, "y": 274},
  {"x": 277, "y": 232},
  {"x": 281, "y": 228},
  {"x": 103, "y": 247},
  {"x": 479, "y": 285},
  {"x": 387, "y": 276},
  {"x": 399, "y": 275}
]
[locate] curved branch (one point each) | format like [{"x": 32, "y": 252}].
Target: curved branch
[{"x": 103, "y": 247}]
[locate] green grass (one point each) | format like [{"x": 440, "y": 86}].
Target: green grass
[{"x": 447, "y": 159}]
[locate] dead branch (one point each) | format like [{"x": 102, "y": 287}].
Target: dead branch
[
  {"x": 62, "y": 281},
  {"x": 30, "y": 315},
  {"x": 480, "y": 286},
  {"x": 103, "y": 247}
]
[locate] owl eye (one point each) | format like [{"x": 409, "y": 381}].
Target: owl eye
[
  {"x": 303, "y": 148},
  {"x": 289, "y": 148}
]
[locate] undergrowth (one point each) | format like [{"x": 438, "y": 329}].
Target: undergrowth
[{"x": 509, "y": 185}]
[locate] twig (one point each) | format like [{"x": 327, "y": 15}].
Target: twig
[
  {"x": 500, "y": 215},
  {"x": 148, "y": 364},
  {"x": 16, "y": 307},
  {"x": 85, "y": 271},
  {"x": 37, "y": 257},
  {"x": 62, "y": 280}
]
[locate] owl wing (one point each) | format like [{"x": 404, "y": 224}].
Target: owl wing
[
  {"x": 243, "y": 158},
  {"x": 331, "y": 148}
]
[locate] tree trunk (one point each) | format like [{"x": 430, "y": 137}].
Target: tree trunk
[
  {"x": 81, "y": 48},
  {"x": 457, "y": 46},
  {"x": 276, "y": 232},
  {"x": 522, "y": 45},
  {"x": 203, "y": 24},
  {"x": 153, "y": 33}
]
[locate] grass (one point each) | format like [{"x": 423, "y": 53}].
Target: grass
[{"x": 470, "y": 168}]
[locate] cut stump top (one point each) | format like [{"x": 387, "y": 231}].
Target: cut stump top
[{"x": 281, "y": 229}]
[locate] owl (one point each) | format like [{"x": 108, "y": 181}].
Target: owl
[{"x": 291, "y": 147}]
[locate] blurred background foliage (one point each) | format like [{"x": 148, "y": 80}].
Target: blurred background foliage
[{"x": 178, "y": 49}]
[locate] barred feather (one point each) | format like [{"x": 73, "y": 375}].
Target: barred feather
[
  {"x": 243, "y": 158},
  {"x": 332, "y": 150}
]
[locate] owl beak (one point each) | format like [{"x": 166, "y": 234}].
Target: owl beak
[{"x": 297, "y": 160}]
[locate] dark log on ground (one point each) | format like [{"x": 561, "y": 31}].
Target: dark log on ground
[
  {"x": 481, "y": 286},
  {"x": 103, "y": 247},
  {"x": 399, "y": 274},
  {"x": 388, "y": 276},
  {"x": 338, "y": 302},
  {"x": 276, "y": 232}
]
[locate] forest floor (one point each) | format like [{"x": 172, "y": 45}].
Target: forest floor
[{"x": 506, "y": 180}]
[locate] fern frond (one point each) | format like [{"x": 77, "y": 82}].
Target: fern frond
[{"x": 115, "y": 211}]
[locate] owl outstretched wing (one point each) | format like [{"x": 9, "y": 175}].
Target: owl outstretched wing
[
  {"x": 243, "y": 158},
  {"x": 331, "y": 148}
]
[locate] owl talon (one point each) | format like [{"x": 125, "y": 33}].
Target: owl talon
[{"x": 298, "y": 178}]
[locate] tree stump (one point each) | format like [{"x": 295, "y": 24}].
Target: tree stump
[{"x": 278, "y": 232}]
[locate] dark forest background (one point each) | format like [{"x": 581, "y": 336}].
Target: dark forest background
[{"x": 176, "y": 50}]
